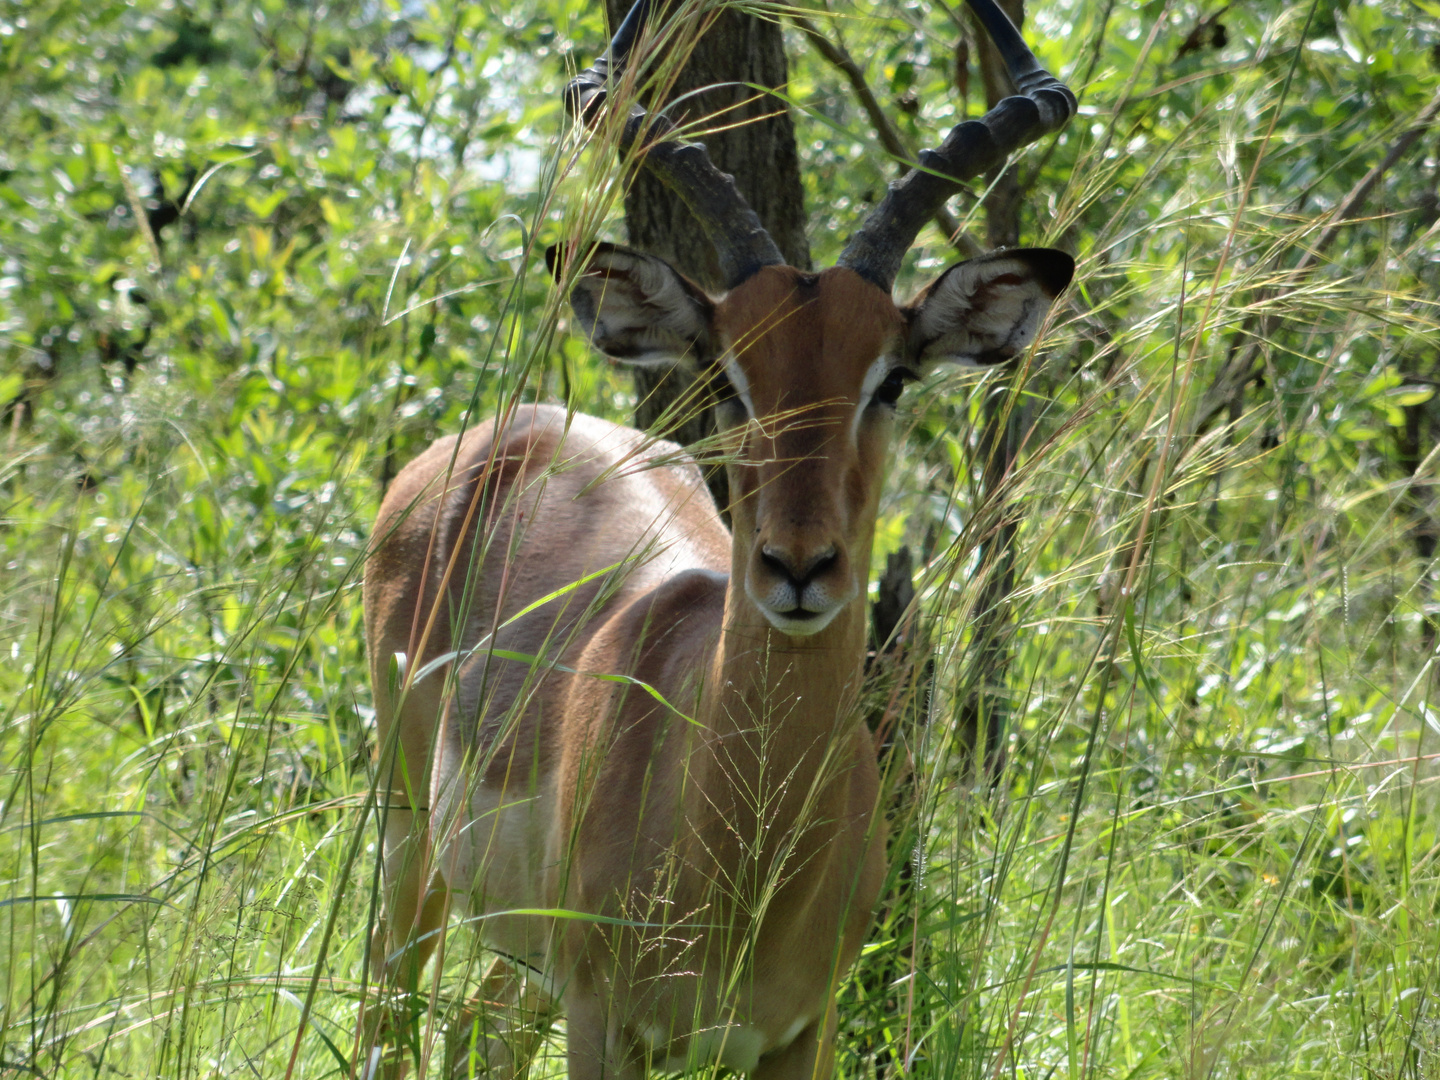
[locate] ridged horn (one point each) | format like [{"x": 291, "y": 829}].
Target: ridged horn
[
  {"x": 1044, "y": 105},
  {"x": 731, "y": 226}
]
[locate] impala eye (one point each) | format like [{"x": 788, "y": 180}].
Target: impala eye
[
  {"x": 722, "y": 390},
  {"x": 888, "y": 392}
]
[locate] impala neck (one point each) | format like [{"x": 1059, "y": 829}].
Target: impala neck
[
  {"x": 799, "y": 684},
  {"x": 777, "y": 714}
]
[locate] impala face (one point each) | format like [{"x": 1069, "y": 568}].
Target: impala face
[
  {"x": 808, "y": 368},
  {"x": 814, "y": 364}
]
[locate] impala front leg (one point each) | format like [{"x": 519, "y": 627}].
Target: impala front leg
[
  {"x": 810, "y": 1057},
  {"x": 412, "y": 914},
  {"x": 597, "y": 1045},
  {"x": 499, "y": 1036}
]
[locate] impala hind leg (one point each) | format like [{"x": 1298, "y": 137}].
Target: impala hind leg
[
  {"x": 500, "y": 1036},
  {"x": 412, "y": 915}
]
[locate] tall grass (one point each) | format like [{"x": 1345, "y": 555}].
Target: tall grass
[{"x": 1213, "y": 848}]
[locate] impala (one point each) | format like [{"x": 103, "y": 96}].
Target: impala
[{"x": 625, "y": 738}]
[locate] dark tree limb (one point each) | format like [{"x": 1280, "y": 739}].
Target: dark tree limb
[
  {"x": 983, "y": 712},
  {"x": 1209, "y": 32},
  {"x": 1414, "y": 441}
]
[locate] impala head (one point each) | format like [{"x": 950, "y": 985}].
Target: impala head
[{"x": 807, "y": 368}]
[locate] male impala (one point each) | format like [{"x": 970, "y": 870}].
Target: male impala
[{"x": 608, "y": 705}]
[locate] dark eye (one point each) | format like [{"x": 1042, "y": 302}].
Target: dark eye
[
  {"x": 722, "y": 390},
  {"x": 888, "y": 392}
]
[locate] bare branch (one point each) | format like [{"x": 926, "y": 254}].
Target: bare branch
[{"x": 1209, "y": 31}]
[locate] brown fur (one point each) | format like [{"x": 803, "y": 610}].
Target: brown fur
[{"x": 737, "y": 821}]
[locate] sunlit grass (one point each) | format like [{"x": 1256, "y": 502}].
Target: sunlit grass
[{"x": 1213, "y": 850}]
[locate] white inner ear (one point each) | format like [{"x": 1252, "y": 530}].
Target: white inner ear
[
  {"x": 981, "y": 312},
  {"x": 670, "y": 308},
  {"x": 635, "y": 308}
]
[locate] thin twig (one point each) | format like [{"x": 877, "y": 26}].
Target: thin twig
[
  {"x": 137, "y": 210},
  {"x": 1262, "y": 324}
]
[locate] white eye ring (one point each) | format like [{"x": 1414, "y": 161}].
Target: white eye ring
[
  {"x": 738, "y": 381},
  {"x": 873, "y": 378}
]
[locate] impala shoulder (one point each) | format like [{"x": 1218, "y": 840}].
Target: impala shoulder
[
  {"x": 672, "y": 623},
  {"x": 684, "y": 602},
  {"x": 692, "y": 593}
]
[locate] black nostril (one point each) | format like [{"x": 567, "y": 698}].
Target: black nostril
[
  {"x": 780, "y": 563},
  {"x": 820, "y": 564}
]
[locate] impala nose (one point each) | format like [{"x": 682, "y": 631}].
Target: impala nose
[
  {"x": 797, "y": 572},
  {"x": 799, "y": 589}
]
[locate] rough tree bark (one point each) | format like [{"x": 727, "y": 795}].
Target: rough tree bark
[
  {"x": 757, "y": 147},
  {"x": 1415, "y": 441}
]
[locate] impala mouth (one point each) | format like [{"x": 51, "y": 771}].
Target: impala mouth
[
  {"x": 798, "y": 607},
  {"x": 799, "y": 621}
]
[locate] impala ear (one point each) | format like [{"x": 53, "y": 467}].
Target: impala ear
[
  {"x": 637, "y": 308},
  {"x": 987, "y": 310}
]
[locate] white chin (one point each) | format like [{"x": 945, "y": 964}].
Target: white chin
[{"x": 800, "y": 627}]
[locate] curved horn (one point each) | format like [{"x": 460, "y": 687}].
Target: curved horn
[
  {"x": 740, "y": 241},
  {"x": 1044, "y": 104}
]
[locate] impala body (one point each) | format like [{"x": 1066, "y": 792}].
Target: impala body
[
  {"x": 755, "y": 792},
  {"x": 613, "y": 707}
]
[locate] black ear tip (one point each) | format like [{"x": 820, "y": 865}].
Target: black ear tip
[
  {"x": 556, "y": 262},
  {"x": 1052, "y": 269},
  {"x": 1055, "y": 269}
]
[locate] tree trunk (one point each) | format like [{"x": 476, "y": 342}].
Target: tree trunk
[
  {"x": 761, "y": 154},
  {"x": 1415, "y": 441},
  {"x": 984, "y": 710}
]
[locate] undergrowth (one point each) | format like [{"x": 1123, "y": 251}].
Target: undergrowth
[{"x": 1213, "y": 847}]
